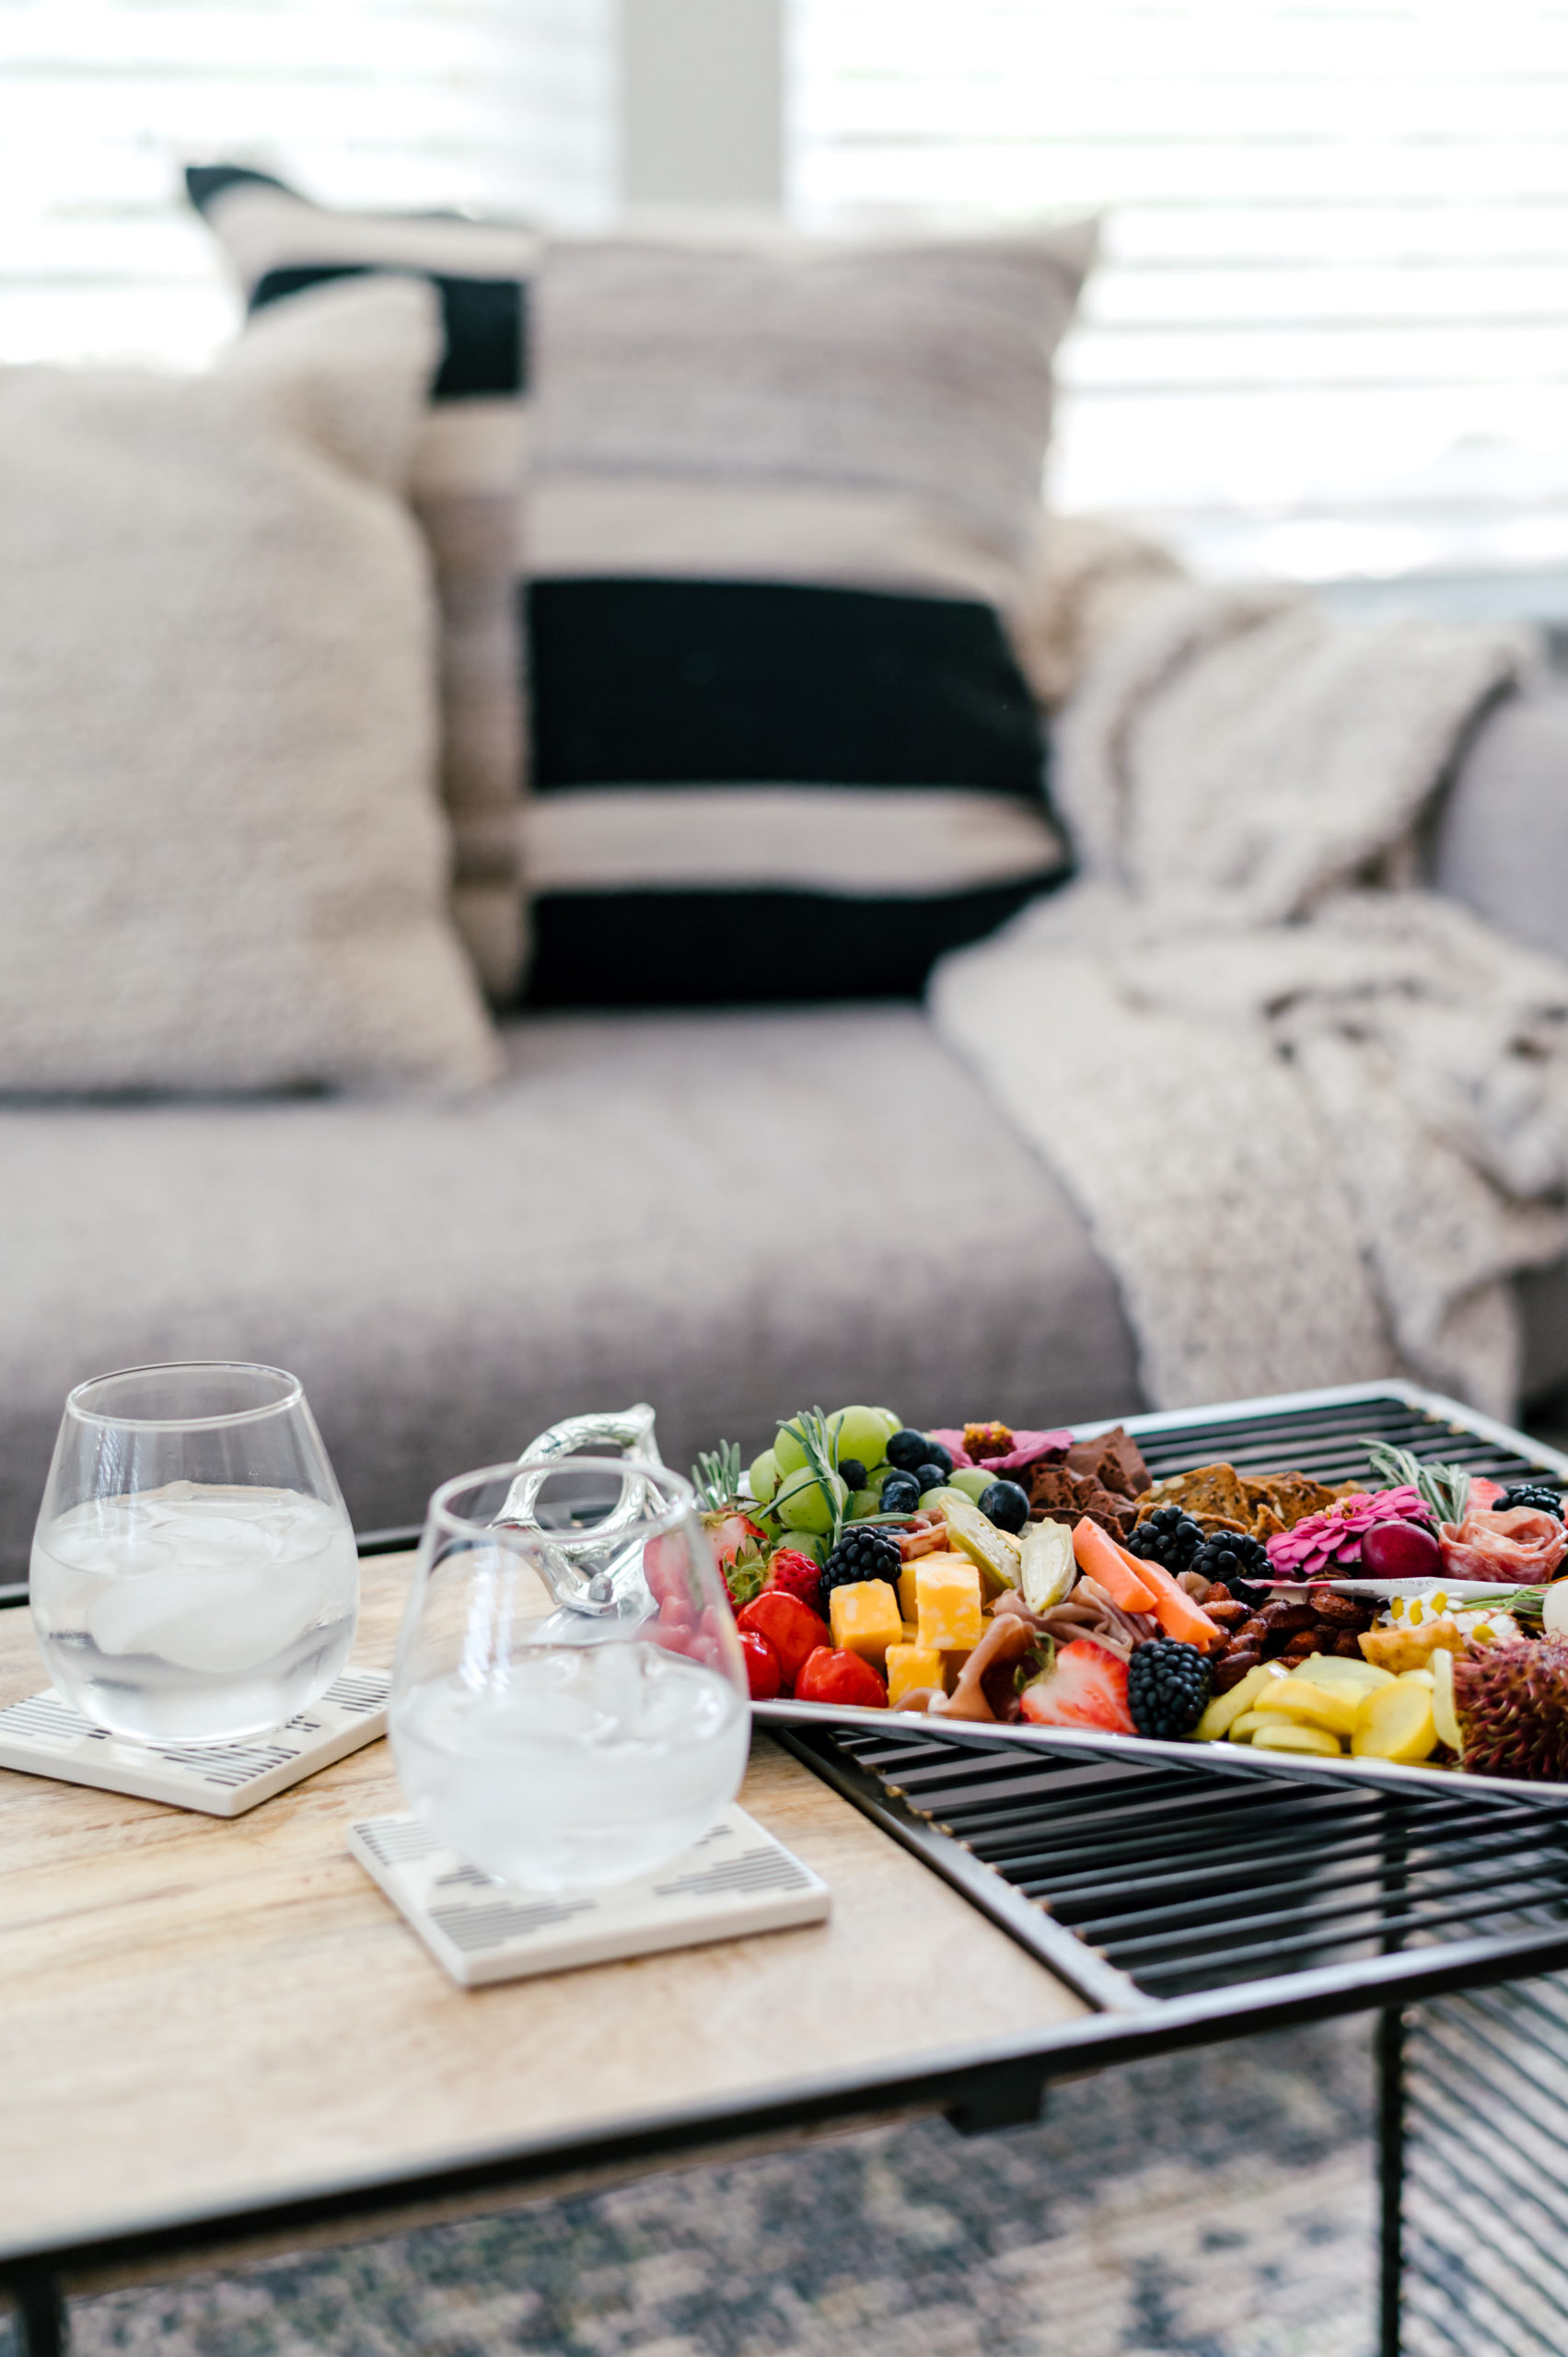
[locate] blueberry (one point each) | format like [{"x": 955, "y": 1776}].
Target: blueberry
[
  {"x": 907, "y": 1449},
  {"x": 851, "y": 1470},
  {"x": 931, "y": 1476},
  {"x": 1005, "y": 1504},
  {"x": 901, "y": 1493},
  {"x": 936, "y": 1455}
]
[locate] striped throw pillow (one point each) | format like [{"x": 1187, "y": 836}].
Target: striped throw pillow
[
  {"x": 467, "y": 490},
  {"x": 785, "y": 496}
]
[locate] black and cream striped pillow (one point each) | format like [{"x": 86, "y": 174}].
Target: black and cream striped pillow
[
  {"x": 785, "y": 495},
  {"x": 467, "y": 489}
]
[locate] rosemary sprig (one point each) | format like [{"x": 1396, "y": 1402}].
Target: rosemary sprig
[
  {"x": 821, "y": 1448},
  {"x": 1444, "y": 1488},
  {"x": 715, "y": 1476}
]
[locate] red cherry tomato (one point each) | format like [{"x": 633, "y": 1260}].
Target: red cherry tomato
[
  {"x": 764, "y": 1675},
  {"x": 791, "y": 1627},
  {"x": 841, "y": 1678}
]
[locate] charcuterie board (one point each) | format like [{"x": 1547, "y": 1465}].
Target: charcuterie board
[{"x": 1314, "y": 1649}]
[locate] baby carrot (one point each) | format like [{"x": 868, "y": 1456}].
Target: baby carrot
[{"x": 1104, "y": 1561}]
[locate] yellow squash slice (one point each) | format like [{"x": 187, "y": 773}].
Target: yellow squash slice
[
  {"x": 1397, "y": 1723},
  {"x": 1284, "y": 1735},
  {"x": 1335, "y": 1709}
]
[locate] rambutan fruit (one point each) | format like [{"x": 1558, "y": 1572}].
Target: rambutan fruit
[{"x": 1512, "y": 1704}]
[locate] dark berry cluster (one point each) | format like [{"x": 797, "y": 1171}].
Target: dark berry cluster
[
  {"x": 1167, "y": 1687},
  {"x": 1533, "y": 1493},
  {"x": 860, "y": 1555},
  {"x": 1231, "y": 1556},
  {"x": 919, "y": 1464},
  {"x": 1168, "y": 1537}
]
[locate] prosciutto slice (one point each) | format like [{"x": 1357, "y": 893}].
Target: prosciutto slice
[{"x": 1518, "y": 1547}]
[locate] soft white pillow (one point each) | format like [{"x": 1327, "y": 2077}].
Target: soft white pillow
[{"x": 224, "y": 864}]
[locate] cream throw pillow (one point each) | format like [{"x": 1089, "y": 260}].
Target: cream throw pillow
[{"x": 225, "y": 865}]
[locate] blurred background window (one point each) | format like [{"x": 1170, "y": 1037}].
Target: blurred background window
[
  {"x": 1329, "y": 334},
  {"x": 504, "y": 106},
  {"x": 1328, "y": 338}
]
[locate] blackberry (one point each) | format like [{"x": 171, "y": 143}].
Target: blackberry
[
  {"x": 1533, "y": 1493},
  {"x": 1005, "y": 1504},
  {"x": 860, "y": 1555},
  {"x": 1168, "y": 1537},
  {"x": 1239, "y": 1561},
  {"x": 1167, "y": 1687},
  {"x": 901, "y": 1493}
]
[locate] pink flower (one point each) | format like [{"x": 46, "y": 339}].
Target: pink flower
[{"x": 1322, "y": 1546}]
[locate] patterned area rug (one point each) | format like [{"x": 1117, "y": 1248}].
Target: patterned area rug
[{"x": 1217, "y": 2204}]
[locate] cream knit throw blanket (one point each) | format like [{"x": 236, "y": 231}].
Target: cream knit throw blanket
[{"x": 1315, "y": 1116}]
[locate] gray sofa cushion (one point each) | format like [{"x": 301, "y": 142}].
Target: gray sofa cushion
[
  {"x": 1500, "y": 845},
  {"x": 1501, "y": 841},
  {"x": 730, "y": 1215}
]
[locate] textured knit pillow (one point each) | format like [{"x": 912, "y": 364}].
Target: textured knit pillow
[
  {"x": 786, "y": 494},
  {"x": 224, "y": 862},
  {"x": 466, "y": 486}
]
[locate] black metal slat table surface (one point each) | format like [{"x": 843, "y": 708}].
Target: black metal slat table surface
[{"x": 1181, "y": 1895}]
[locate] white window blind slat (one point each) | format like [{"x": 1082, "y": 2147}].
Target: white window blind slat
[
  {"x": 500, "y": 106},
  {"x": 1330, "y": 322}
]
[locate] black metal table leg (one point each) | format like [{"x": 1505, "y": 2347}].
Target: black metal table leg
[
  {"x": 40, "y": 2313},
  {"x": 1391, "y": 2176}
]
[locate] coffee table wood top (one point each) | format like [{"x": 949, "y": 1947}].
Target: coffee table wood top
[{"x": 199, "y": 2018}]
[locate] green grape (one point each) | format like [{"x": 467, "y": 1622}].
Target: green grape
[
  {"x": 806, "y": 1542},
  {"x": 763, "y": 1476},
  {"x": 938, "y": 1498},
  {"x": 859, "y": 1434},
  {"x": 800, "y": 1504},
  {"x": 973, "y": 1480},
  {"x": 788, "y": 1453},
  {"x": 894, "y": 1424},
  {"x": 864, "y": 1503}
]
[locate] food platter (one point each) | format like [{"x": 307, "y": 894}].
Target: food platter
[{"x": 1319, "y": 1430}]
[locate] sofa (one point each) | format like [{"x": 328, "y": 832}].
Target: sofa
[{"x": 728, "y": 1213}]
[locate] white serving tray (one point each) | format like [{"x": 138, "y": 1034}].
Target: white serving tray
[
  {"x": 46, "y": 1737},
  {"x": 737, "y": 1880},
  {"x": 1239, "y": 1758}
]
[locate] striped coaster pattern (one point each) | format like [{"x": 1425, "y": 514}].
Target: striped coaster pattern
[
  {"x": 736, "y": 1880},
  {"x": 44, "y": 1735}
]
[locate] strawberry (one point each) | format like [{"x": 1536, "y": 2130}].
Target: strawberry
[
  {"x": 790, "y": 1627},
  {"x": 1084, "y": 1687},
  {"x": 791, "y": 1573},
  {"x": 764, "y": 1675},
  {"x": 840, "y": 1679},
  {"x": 730, "y": 1535}
]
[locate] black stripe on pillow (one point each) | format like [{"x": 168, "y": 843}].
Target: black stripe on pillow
[
  {"x": 674, "y": 682},
  {"x": 696, "y": 948},
  {"x": 485, "y": 321}
]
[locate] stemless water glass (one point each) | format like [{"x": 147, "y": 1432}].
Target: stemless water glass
[
  {"x": 195, "y": 1578},
  {"x": 569, "y": 1702}
]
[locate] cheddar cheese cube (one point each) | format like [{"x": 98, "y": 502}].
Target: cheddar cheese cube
[
  {"x": 863, "y": 1618},
  {"x": 948, "y": 1603},
  {"x": 907, "y": 1605},
  {"x": 910, "y": 1667}
]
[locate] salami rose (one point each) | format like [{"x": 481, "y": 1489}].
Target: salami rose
[{"x": 1519, "y": 1548}]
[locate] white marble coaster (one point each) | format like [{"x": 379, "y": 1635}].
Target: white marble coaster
[
  {"x": 46, "y": 1737},
  {"x": 738, "y": 1879}
]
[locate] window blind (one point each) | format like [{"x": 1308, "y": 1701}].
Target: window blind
[
  {"x": 503, "y": 106},
  {"x": 1328, "y": 335}
]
